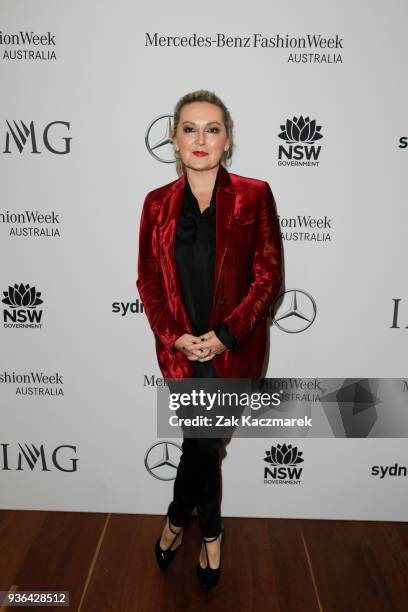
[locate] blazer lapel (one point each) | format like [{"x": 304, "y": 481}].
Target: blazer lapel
[
  {"x": 224, "y": 208},
  {"x": 168, "y": 218}
]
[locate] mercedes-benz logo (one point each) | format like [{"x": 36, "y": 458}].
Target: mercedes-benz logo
[
  {"x": 158, "y": 139},
  {"x": 161, "y": 460},
  {"x": 299, "y": 314}
]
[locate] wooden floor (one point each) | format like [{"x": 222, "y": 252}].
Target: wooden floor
[{"x": 107, "y": 563}]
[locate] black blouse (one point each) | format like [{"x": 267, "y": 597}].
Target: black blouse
[{"x": 195, "y": 257}]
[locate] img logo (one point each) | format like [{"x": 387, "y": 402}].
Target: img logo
[
  {"x": 28, "y": 458},
  {"x": 22, "y": 301},
  {"x": 284, "y": 459},
  {"x": 396, "y": 314},
  {"x": 300, "y": 135},
  {"x": 20, "y": 137}
]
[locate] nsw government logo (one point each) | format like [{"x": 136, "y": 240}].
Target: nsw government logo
[
  {"x": 22, "y": 301},
  {"x": 282, "y": 460},
  {"x": 300, "y": 135}
]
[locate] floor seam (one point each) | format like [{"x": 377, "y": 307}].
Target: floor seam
[
  {"x": 309, "y": 562},
  {"x": 93, "y": 562}
]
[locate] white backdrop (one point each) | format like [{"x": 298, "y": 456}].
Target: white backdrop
[{"x": 78, "y": 389}]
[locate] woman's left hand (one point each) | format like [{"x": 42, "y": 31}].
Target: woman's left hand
[{"x": 210, "y": 342}]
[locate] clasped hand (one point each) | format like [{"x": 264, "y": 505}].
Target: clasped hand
[{"x": 200, "y": 348}]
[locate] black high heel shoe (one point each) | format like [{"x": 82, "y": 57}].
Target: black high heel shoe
[
  {"x": 207, "y": 576},
  {"x": 165, "y": 557}
]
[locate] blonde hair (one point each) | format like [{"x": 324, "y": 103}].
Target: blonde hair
[{"x": 203, "y": 95}]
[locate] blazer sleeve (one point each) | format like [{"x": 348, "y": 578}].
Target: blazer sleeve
[
  {"x": 224, "y": 334},
  {"x": 150, "y": 281},
  {"x": 267, "y": 271}
]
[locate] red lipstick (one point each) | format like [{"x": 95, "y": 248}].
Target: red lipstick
[{"x": 199, "y": 153}]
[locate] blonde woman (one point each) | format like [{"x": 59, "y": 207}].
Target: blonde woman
[{"x": 209, "y": 269}]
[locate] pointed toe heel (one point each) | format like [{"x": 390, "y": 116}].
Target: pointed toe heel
[
  {"x": 165, "y": 557},
  {"x": 208, "y": 576}
]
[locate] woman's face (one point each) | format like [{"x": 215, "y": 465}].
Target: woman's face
[{"x": 201, "y": 137}]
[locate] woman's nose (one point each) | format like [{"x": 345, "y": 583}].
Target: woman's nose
[{"x": 200, "y": 138}]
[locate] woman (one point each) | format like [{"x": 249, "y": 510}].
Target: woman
[{"x": 209, "y": 269}]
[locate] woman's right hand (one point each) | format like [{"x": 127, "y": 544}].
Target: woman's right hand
[{"x": 189, "y": 345}]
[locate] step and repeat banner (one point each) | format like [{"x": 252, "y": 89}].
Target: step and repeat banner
[{"x": 318, "y": 94}]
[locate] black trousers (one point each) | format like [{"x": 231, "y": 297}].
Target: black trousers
[{"x": 198, "y": 478}]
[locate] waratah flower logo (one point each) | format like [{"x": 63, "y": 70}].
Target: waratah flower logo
[
  {"x": 283, "y": 454},
  {"x": 300, "y": 130},
  {"x": 22, "y": 296}
]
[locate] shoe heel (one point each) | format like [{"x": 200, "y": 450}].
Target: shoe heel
[
  {"x": 165, "y": 557},
  {"x": 208, "y": 576}
]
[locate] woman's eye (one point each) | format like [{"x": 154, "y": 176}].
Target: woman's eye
[{"x": 188, "y": 129}]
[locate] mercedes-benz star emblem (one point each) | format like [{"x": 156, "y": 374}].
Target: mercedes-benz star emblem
[
  {"x": 161, "y": 460},
  {"x": 158, "y": 139},
  {"x": 299, "y": 314}
]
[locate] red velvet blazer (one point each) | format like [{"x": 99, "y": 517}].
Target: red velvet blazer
[{"x": 247, "y": 273}]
